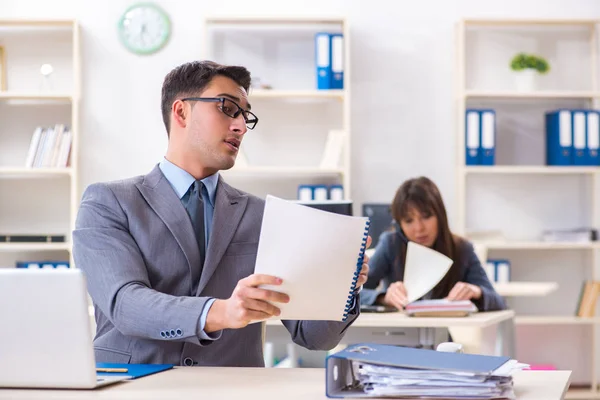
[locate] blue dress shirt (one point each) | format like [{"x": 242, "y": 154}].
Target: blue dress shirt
[{"x": 180, "y": 180}]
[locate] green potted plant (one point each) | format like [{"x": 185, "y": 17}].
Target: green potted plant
[{"x": 526, "y": 67}]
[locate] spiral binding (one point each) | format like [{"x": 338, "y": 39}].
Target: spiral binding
[{"x": 359, "y": 263}]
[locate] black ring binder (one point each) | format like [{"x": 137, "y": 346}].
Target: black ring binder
[{"x": 359, "y": 263}]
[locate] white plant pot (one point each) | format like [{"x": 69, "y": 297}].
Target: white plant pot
[{"x": 525, "y": 80}]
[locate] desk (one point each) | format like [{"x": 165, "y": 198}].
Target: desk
[
  {"x": 392, "y": 328},
  {"x": 259, "y": 384}
]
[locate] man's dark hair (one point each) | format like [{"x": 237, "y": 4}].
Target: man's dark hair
[{"x": 191, "y": 78}]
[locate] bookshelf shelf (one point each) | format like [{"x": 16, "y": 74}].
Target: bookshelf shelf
[
  {"x": 297, "y": 94},
  {"x": 513, "y": 289},
  {"x": 542, "y": 245},
  {"x": 35, "y": 98},
  {"x": 275, "y": 171},
  {"x": 554, "y": 320},
  {"x": 532, "y": 95},
  {"x": 528, "y": 22},
  {"x": 582, "y": 394},
  {"x": 37, "y": 23},
  {"x": 17, "y": 172},
  {"x": 531, "y": 170},
  {"x": 28, "y": 247},
  {"x": 279, "y": 20}
]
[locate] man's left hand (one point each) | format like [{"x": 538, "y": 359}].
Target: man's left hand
[{"x": 364, "y": 272}]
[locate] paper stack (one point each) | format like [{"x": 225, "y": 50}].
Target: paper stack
[
  {"x": 381, "y": 381},
  {"x": 393, "y": 371}
]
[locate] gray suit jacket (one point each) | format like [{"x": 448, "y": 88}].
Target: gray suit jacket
[{"x": 136, "y": 245}]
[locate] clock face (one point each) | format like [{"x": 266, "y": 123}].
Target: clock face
[{"x": 144, "y": 28}]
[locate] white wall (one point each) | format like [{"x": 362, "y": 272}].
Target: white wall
[{"x": 403, "y": 93}]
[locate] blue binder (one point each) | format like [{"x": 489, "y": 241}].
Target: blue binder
[
  {"x": 305, "y": 192},
  {"x": 502, "y": 269},
  {"x": 337, "y": 60},
  {"x": 559, "y": 137},
  {"x": 133, "y": 370},
  {"x": 339, "y": 381},
  {"x": 47, "y": 264},
  {"x": 323, "y": 60},
  {"x": 579, "y": 125},
  {"x": 593, "y": 138},
  {"x": 472, "y": 137},
  {"x": 487, "y": 153}
]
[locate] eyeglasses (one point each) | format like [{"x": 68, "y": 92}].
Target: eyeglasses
[{"x": 229, "y": 108}]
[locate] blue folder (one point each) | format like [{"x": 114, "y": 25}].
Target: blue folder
[
  {"x": 579, "y": 126},
  {"x": 133, "y": 370},
  {"x": 487, "y": 122},
  {"x": 339, "y": 381},
  {"x": 323, "y": 60},
  {"x": 559, "y": 138},
  {"x": 472, "y": 137},
  {"x": 593, "y": 138}
]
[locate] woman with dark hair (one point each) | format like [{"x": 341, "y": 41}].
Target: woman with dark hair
[{"x": 420, "y": 216}]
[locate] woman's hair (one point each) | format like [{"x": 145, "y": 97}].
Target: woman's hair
[{"x": 423, "y": 195}]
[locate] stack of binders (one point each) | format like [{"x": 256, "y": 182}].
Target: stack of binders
[
  {"x": 329, "y": 60},
  {"x": 573, "y": 137},
  {"x": 373, "y": 370},
  {"x": 480, "y": 137}
]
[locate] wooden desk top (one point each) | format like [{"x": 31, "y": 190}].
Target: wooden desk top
[
  {"x": 401, "y": 320},
  {"x": 259, "y": 384}
]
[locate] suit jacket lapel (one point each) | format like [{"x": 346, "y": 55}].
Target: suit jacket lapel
[
  {"x": 164, "y": 201},
  {"x": 229, "y": 208}
]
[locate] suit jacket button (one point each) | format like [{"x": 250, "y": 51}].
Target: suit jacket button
[{"x": 188, "y": 362}]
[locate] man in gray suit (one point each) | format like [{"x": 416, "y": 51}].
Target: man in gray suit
[{"x": 169, "y": 257}]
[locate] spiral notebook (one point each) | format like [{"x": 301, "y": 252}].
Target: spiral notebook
[{"x": 317, "y": 254}]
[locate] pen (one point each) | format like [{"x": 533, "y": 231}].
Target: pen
[{"x": 111, "y": 369}]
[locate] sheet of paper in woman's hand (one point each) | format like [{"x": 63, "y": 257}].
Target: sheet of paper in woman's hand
[{"x": 423, "y": 270}]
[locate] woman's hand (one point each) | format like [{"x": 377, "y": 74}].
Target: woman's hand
[
  {"x": 464, "y": 291},
  {"x": 396, "y": 296}
]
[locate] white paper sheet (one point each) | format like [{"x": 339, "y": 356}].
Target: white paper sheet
[
  {"x": 424, "y": 269},
  {"x": 315, "y": 253}
]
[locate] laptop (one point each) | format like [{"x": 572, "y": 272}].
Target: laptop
[{"x": 46, "y": 335}]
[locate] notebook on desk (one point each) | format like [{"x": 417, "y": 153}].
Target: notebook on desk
[
  {"x": 317, "y": 254},
  {"x": 440, "y": 308}
]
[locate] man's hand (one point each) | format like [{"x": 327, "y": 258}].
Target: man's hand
[
  {"x": 464, "y": 291},
  {"x": 364, "y": 272},
  {"x": 396, "y": 296},
  {"x": 247, "y": 303}
]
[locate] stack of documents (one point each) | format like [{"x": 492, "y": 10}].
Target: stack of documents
[
  {"x": 440, "y": 308},
  {"x": 374, "y": 370},
  {"x": 582, "y": 235}
]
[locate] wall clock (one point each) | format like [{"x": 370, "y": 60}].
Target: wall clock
[{"x": 144, "y": 28}]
